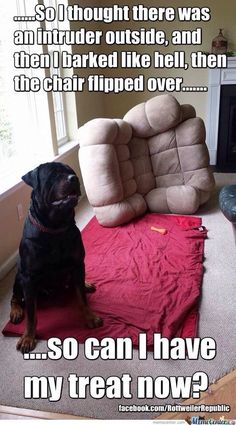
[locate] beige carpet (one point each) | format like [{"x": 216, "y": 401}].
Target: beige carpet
[{"x": 217, "y": 320}]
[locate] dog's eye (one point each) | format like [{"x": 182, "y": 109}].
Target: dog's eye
[{"x": 72, "y": 178}]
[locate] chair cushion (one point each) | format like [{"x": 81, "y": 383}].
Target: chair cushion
[
  {"x": 108, "y": 172},
  {"x": 157, "y": 115}
]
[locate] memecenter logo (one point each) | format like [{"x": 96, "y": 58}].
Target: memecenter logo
[{"x": 200, "y": 420}]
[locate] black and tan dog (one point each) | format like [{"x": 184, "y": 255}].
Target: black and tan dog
[{"x": 51, "y": 247}]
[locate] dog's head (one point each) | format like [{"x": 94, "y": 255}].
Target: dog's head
[{"x": 55, "y": 186}]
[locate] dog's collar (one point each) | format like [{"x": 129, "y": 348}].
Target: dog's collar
[{"x": 44, "y": 229}]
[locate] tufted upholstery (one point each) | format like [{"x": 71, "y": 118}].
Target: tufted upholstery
[{"x": 155, "y": 158}]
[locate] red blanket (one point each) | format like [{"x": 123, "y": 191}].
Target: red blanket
[{"x": 146, "y": 281}]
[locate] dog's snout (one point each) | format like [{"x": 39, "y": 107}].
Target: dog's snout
[{"x": 72, "y": 178}]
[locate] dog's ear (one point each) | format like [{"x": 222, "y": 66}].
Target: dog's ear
[{"x": 31, "y": 178}]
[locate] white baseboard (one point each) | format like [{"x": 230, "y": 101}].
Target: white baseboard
[{"x": 8, "y": 265}]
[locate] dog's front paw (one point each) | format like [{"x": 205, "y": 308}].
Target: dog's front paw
[
  {"x": 94, "y": 322},
  {"x": 26, "y": 344},
  {"x": 17, "y": 313},
  {"x": 90, "y": 287}
]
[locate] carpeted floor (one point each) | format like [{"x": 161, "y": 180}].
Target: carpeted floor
[{"x": 217, "y": 320}]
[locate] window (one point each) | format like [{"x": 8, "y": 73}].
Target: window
[
  {"x": 33, "y": 126},
  {"x": 58, "y": 98}
]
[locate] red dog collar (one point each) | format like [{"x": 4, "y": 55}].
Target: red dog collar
[{"x": 44, "y": 229}]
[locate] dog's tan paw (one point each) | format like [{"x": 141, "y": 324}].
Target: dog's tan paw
[
  {"x": 94, "y": 322},
  {"x": 17, "y": 314},
  {"x": 26, "y": 344},
  {"x": 90, "y": 287}
]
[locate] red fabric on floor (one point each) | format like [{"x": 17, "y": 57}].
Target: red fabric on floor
[{"x": 146, "y": 282}]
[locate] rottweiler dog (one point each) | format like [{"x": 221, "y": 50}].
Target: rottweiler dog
[{"x": 51, "y": 248}]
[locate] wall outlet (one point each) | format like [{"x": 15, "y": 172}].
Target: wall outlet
[{"x": 20, "y": 212}]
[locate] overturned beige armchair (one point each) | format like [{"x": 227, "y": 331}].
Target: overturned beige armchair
[{"x": 155, "y": 159}]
